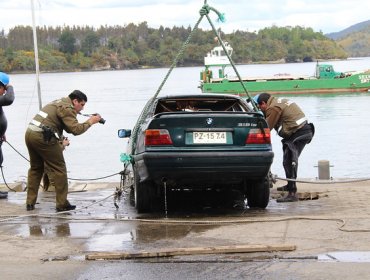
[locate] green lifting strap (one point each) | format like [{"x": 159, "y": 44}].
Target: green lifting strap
[{"x": 125, "y": 157}]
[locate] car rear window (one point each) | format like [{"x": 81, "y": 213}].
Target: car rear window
[{"x": 178, "y": 105}]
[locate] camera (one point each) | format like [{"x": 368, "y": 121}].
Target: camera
[{"x": 102, "y": 121}]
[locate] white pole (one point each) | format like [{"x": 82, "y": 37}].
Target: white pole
[{"x": 36, "y": 55}]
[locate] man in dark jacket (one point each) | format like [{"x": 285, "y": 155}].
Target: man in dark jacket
[
  {"x": 287, "y": 118},
  {"x": 6, "y": 99},
  {"x": 43, "y": 137}
]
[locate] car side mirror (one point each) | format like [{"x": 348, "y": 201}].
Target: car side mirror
[{"x": 123, "y": 133}]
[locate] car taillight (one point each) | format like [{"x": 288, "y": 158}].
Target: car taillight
[
  {"x": 256, "y": 136},
  {"x": 157, "y": 137}
]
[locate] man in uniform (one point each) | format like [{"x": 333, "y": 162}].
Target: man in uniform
[
  {"x": 43, "y": 137},
  {"x": 287, "y": 118},
  {"x": 6, "y": 99}
]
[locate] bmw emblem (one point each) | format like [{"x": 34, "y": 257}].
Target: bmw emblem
[{"x": 209, "y": 121}]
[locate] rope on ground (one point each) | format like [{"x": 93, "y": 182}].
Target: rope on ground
[
  {"x": 6, "y": 184},
  {"x": 56, "y": 214},
  {"x": 183, "y": 221}
]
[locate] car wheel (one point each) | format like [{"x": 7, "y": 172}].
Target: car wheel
[
  {"x": 132, "y": 196},
  {"x": 258, "y": 193},
  {"x": 143, "y": 194}
]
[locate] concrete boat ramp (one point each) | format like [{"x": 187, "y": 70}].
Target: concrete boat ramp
[{"x": 325, "y": 234}]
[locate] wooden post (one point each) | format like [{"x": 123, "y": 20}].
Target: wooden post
[{"x": 190, "y": 251}]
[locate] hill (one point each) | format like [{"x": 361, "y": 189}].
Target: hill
[
  {"x": 358, "y": 27},
  {"x": 355, "y": 40},
  {"x": 139, "y": 46}
]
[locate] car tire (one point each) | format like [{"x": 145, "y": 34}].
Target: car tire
[
  {"x": 258, "y": 193},
  {"x": 132, "y": 196},
  {"x": 143, "y": 192}
]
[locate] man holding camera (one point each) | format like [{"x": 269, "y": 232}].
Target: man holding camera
[{"x": 43, "y": 137}]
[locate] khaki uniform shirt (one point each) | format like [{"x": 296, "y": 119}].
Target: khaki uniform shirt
[
  {"x": 284, "y": 116},
  {"x": 60, "y": 115}
]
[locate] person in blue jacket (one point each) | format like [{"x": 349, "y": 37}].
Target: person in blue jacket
[{"x": 6, "y": 99}]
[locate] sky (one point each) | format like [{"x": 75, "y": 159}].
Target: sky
[{"x": 247, "y": 15}]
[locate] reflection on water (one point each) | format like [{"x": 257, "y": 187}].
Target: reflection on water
[
  {"x": 35, "y": 230},
  {"x": 152, "y": 232},
  {"x": 57, "y": 230},
  {"x": 104, "y": 242},
  {"x": 105, "y": 228}
]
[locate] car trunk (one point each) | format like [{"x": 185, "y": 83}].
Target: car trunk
[{"x": 208, "y": 148}]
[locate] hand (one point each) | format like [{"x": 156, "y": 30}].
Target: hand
[
  {"x": 3, "y": 138},
  {"x": 65, "y": 142},
  {"x": 94, "y": 119}
]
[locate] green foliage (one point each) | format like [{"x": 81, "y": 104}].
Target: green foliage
[
  {"x": 135, "y": 46},
  {"x": 90, "y": 43},
  {"x": 6, "y": 59},
  {"x": 357, "y": 43},
  {"x": 52, "y": 60},
  {"x": 67, "y": 42},
  {"x": 79, "y": 61},
  {"x": 24, "y": 61}
]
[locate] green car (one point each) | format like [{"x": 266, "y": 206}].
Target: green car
[{"x": 199, "y": 142}]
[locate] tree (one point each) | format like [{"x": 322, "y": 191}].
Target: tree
[
  {"x": 90, "y": 43},
  {"x": 135, "y": 46},
  {"x": 67, "y": 42}
]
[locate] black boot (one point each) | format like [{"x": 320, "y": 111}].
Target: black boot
[
  {"x": 30, "y": 207},
  {"x": 282, "y": 189},
  {"x": 290, "y": 197},
  {"x": 3, "y": 195},
  {"x": 68, "y": 207}
]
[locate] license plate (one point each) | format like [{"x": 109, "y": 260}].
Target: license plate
[{"x": 209, "y": 137}]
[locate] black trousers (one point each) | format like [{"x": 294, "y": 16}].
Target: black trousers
[
  {"x": 1, "y": 153},
  {"x": 292, "y": 149}
]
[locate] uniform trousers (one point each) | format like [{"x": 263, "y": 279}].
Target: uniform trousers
[
  {"x": 48, "y": 158},
  {"x": 292, "y": 149}
]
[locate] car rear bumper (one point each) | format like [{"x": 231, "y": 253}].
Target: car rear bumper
[{"x": 201, "y": 167}]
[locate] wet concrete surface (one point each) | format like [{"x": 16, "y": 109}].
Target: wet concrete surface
[
  {"x": 107, "y": 228},
  {"x": 195, "y": 220}
]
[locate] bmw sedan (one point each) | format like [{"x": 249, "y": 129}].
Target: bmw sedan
[{"x": 198, "y": 142}]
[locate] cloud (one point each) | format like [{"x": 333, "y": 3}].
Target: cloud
[{"x": 250, "y": 15}]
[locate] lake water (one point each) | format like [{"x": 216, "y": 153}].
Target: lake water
[{"x": 341, "y": 120}]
